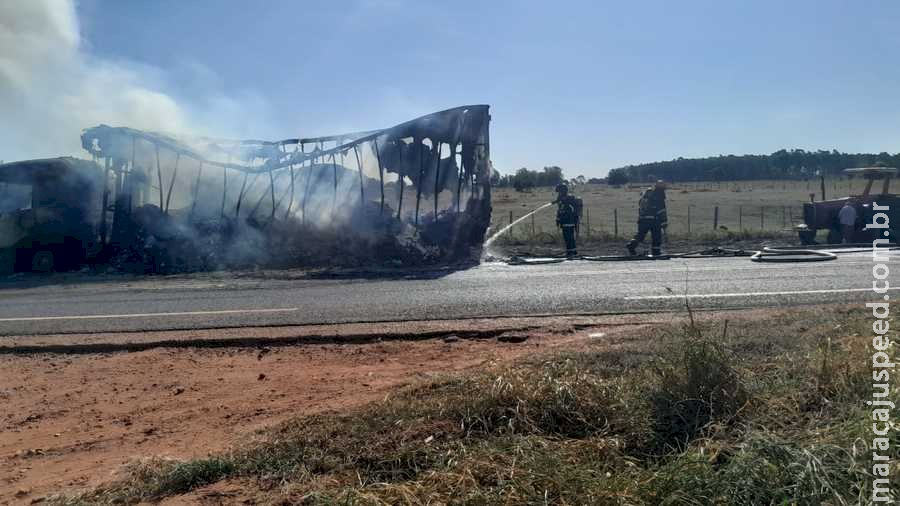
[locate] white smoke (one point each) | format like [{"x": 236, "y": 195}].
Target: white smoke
[{"x": 51, "y": 87}]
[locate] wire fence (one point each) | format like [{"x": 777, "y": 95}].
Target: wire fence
[{"x": 621, "y": 222}]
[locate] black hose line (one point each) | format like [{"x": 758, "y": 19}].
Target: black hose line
[
  {"x": 772, "y": 254},
  {"x": 518, "y": 260},
  {"x": 623, "y": 258}
]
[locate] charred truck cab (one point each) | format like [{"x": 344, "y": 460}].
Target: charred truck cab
[
  {"x": 824, "y": 214},
  {"x": 49, "y": 212}
]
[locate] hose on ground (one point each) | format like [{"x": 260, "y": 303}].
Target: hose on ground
[
  {"x": 771, "y": 254},
  {"x": 768, "y": 254},
  {"x": 520, "y": 260}
]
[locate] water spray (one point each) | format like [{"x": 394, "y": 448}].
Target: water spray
[{"x": 493, "y": 237}]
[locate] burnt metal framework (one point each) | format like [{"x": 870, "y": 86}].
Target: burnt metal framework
[{"x": 446, "y": 152}]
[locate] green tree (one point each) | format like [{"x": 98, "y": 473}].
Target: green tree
[
  {"x": 617, "y": 177},
  {"x": 524, "y": 179},
  {"x": 551, "y": 176}
]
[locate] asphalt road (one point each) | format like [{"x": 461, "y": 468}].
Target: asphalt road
[{"x": 62, "y": 305}]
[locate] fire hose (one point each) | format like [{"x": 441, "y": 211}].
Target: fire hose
[
  {"x": 766, "y": 254},
  {"x": 771, "y": 254}
]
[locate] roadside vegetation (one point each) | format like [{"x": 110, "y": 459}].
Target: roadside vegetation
[{"x": 765, "y": 411}]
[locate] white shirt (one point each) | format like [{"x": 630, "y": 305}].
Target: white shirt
[{"x": 847, "y": 215}]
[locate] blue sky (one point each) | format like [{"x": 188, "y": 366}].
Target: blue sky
[{"x": 587, "y": 85}]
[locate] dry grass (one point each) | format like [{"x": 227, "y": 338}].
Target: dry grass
[
  {"x": 766, "y": 412},
  {"x": 744, "y": 206}
]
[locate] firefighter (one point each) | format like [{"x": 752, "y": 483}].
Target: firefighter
[
  {"x": 651, "y": 218},
  {"x": 568, "y": 217}
]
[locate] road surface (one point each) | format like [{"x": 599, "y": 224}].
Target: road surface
[{"x": 494, "y": 289}]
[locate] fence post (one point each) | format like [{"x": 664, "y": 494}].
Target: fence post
[
  {"x": 689, "y": 219},
  {"x": 716, "y": 218},
  {"x": 740, "y": 217},
  {"x": 783, "y": 218},
  {"x": 509, "y": 234},
  {"x": 588, "y": 222},
  {"x": 615, "y": 223},
  {"x": 532, "y": 225},
  {"x": 762, "y": 217}
]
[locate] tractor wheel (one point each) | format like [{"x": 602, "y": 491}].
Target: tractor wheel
[
  {"x": 893, "y": 235},
  {"x": 835, "y": 236},
  {"x": 42, "y": 261},
  {"x": 807, "y": 237},
  {"x": 7, "y": 261}
]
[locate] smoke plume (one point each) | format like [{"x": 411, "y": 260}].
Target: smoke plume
[{"x": 51, "y": 87}]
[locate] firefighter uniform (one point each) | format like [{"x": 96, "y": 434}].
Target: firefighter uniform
[
  {"x": 568, "y": 218},
  {"x": 652, "y": 218}
]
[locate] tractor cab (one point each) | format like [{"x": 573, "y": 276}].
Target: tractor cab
[
  {"x": 823, "y": 215},
  {"x": 48, "y": 212}
]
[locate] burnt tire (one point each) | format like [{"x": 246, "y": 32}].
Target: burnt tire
[{"x": 42, "y": 261}]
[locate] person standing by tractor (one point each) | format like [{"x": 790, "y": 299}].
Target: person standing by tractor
[
  {"x": 847, "y": 218},
  {"x": 651, "y": 218},
  {"x": 568, "y": 217}
]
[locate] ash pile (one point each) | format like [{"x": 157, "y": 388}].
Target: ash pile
[{"x": 411, "y": 195}]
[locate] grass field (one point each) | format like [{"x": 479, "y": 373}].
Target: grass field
[
  {"x": 753, "y": 411},
  {"x": 748, "y": 210},
  {"x": 740, "y": 205}
]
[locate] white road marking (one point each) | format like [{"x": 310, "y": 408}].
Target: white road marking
[
  {"x": 146, "y": 315},
  {"x": 750, "y": 294}
]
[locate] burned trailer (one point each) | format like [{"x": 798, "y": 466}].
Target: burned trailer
[
  {"x": 50, "y": 213},
  {"x": 417, "y": 193}
]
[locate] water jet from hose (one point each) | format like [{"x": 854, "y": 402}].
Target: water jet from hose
[{"x": 492, "y": 238}]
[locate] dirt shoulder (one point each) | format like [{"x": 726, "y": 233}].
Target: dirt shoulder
[
  {"x": 348, "y": 333},
  {"x": 74, "y": 419}
]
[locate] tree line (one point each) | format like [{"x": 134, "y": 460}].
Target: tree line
[
  {"x": 782, "y": 164},
  {"x": 525, "y": 178}
]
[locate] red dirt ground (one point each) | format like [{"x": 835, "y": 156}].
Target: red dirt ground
[{"x": 72, "y": 420}]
